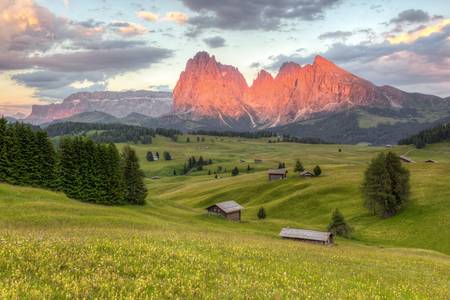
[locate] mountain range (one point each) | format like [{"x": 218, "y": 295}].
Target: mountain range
[
  {"x": 315, "y": 100},
  {"x": 118, "y": 104}
]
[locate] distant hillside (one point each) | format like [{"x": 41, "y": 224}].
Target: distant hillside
[{"x": 439, "y": 133}]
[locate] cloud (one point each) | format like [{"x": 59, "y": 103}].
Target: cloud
[
  {"x": 177, "y": 17},
  {"x": 254, "y": 14},
  {"x": 147, "y": 16},
  {"x": 335, "y": 35},
  {"x": 420, "y": 32},
  {"x": 215, "y": 42},
  {"x": 411, "y": 16},
  {"x": 423, "y": 61},
  {"x": 128, "y": 29}
]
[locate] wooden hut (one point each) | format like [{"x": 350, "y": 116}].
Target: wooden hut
[
  {"x": 431, "y": 161},
  {"x": 304, "y": 235},
  {"x": 306, "y": 174},
  {"x": 406, "y": 159},
  {"x": 277, "y": 174},
  {"x": 229, "y": 210}
]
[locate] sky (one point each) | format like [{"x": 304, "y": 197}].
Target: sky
[{"x": 50, "y": 49}]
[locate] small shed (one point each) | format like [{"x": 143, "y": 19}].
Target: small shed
[
  {"x": 306, "y": 174},
  {"x": 304, "y": 235},
  {"x": 276, "y": 174},
  {"x": 228, "y": 209},
  {"x": 406, "y": 159},
  {"x": 431, "y": 161}
]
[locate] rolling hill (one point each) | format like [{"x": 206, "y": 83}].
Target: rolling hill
[{"x": 56, "y": 247}]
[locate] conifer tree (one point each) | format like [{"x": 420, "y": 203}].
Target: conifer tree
[
  {"x": 167, "y": 155},
  {"x": 317, "y": 171},
  {"x": 386, "y": 185},
  {"x": 338, "y": 225},
  {"x": 150, "y": 156},
  {"x": 5, "y": 145},
  {"x": 248, "y": 168},
  {"x": 235, "y": 171},
  {"x": 298, "y": 166},
  {"x": 135, "y": 189},
  {"x": 261, "y": 213},
  {"x": 46, "y": 160}
]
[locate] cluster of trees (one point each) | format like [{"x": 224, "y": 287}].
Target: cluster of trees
[
  {"x": 386, "y": 186},
  {"x": 299, "y": 168},
  {"x": 97, "y": 173},
  {"x": 27, "y": 157},
  {"x": 151, "y": 157},
  {"x": 303, "y": 140},
  {"x": 81, "y": 168},
  {"x": 436, "y": 134},
  {"x": 110, "y": 133},
  {"x": 194, "y": 163},
  {"x": 244, "y": 134}
]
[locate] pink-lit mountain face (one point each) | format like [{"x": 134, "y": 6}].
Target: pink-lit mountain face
[{"x": 209, "y": 89}]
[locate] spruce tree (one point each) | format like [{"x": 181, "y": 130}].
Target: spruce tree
[
  {"x": 235, "y": 171},
  {"x": 317, "y": 171},
  {"x": 261, "y": 213},
  {"x": 248, "y": 168},
  {"x": 386, "y": 185},
  {"x": 135, "y": 189},
  {"x": 298, "y": 166},
  {"x": 46, "y": 160},
  {"x": 5, "y": 145},
  {"x": 150, "y": 156},
  {"x": 338, "y": 225}
]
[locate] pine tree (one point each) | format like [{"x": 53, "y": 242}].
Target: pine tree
[
  {"x": 261, "y": 213},
  {"x": 248, "y": 168},
  {"x": 209, "y": 172},
  {"x": 235, "y": 171},
  {"x": 135, "y": 189},
  {"x": 150, "y": 156},
  {"x": 298, "y": 166},
  {"x": 174, "y": 172},
  {"x": 338, "y": 225},
  {"x": 188, "y": 140},
  {"x": 281, "y": 165},
  {"x": 317, "y": 171}
]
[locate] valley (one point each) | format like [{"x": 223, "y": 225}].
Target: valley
[{"x": 57, "y": 247}]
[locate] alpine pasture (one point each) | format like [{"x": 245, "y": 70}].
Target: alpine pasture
[{"x": 55, "y": 247}]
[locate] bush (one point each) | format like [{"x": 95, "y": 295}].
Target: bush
[
  {"x": 338, "y": 225},
  {"x": 261, "y": 213},
  {"x": 299, "y": 166}
]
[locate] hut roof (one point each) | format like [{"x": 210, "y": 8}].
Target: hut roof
[
  {"x": 228, "y": 206},
  {"x": 277, "y": 171},
  {"x": 306, "y": 173},
  {"x": 431, "y": 161},
  {"x": 407, "y": 159},
  {"x": 304, "y": 234}
]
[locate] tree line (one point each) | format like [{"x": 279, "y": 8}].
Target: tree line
[
  {"x": 82, "y": 169},
  {"x": 110, "y": 133},
  {"x": 436, "y": 134},
  {"x": 242, "y": 134}
]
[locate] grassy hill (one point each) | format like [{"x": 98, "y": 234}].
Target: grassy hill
[{"x": 54, "y": 247}]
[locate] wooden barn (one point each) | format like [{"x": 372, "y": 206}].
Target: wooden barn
[
  {"x": 229, "y": 210},
  {"x": 310, "y": 236},
  {"x": 277, "y": 174},
  {"x": 306, "y": 174},
  {"x": 431, "y": 161},
  {"x": 406, "y": 159}
]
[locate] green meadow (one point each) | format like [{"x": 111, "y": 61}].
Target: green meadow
[{"x": 55, "y": 247}]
